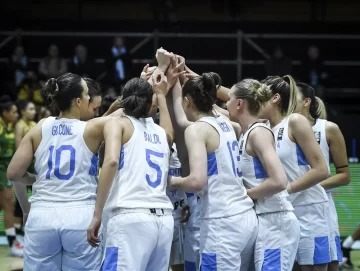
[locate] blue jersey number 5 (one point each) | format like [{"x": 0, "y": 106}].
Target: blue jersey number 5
[
  {"x": 58, "y": 153},
  {"x": 155, "y": 166}
]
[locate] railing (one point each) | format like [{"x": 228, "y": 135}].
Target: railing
[{"x": 156, "y": 35}]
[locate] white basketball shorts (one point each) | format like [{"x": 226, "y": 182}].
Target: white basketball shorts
[
  {"x": 56, "y": 237},
  {"x": 277, "y": 241},
  {"x": 228, "y": 243},
  {"x": 335, "y": 243},
  {"x": 314, "y": 247},
  {"x": 138, "y": 240}
]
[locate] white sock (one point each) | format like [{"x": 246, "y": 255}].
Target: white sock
[
  {"x": 348, "y": 242},
  {"x": 17, "y": 226},
  {"x": 10, "y": 232}
]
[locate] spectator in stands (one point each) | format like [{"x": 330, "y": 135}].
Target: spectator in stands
[
  {"x": 52, "y": 65},
  {"x": 314, "y": 70},
  {"x": 81, "y": 64},
  {"x": 119, "y": 63},
  {"x": 18, "y": 65},
  {"x": 30, "y": 90},
  {"x": 278, "y": 64}
]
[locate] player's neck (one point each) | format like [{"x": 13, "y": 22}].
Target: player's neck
[
  {"x": 198, "y": 115},
  {"x": 276, "y": 118},
  {"x": 310, "y": 119},
  {"x": 69, "y": 115},
  {"x": 246, "y": 120}
]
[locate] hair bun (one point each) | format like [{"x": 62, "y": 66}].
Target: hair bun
[
  {"x": 262, "y": 92},
  {"x": 51, "y": 89},
  {"x": 211, "y": 80}
]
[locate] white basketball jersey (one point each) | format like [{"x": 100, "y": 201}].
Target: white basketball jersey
[
  {"x": 320, "y": 133},
  {"x": 66, "y": 170},
  {"x": 141, "y": 179},
  {"x": 254, "y": 174},
  {"x": 176, "y": 196},
  {"x": 224, "y": 193},
  {"x": 295, "y": 165}
]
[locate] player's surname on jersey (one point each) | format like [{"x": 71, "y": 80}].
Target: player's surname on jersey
[
  {"x": 62, "y": 129},
  {"x": 152, "y": 138}
]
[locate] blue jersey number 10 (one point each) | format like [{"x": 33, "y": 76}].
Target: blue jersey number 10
[
  {"x": 155, "y": 166},
  {"x": 58, "y": 153}
]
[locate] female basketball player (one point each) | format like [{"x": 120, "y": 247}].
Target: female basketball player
[
  {"x": 278, "y": 237},
  {"x": 331, "y": 142},
  {"x": 140, "y": 228},
  {"x": 228, "y": 222},
  {"x": 27, "y": 113},
  {"x": 305, "y": 168},
  {"x": 95, "y": 99},
  {"x": 64, "y": 189},
  {"x": 8, "y": 117}
]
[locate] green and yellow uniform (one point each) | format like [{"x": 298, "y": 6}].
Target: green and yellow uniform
[
  {"x": 27, "y": 126},
  {"x": 7, "y": 149}
]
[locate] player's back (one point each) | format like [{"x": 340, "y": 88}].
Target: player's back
[
  {"x": 224, "y": 194},
  {"x": 66, "y": 170},
  {"x": 143, "y": 169}
]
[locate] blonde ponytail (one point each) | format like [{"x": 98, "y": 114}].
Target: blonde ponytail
[
  {"x": 320, "y": 108},
  {"x": 293, "y": 94}
]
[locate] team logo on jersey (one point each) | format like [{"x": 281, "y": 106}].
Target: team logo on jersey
[
  {"x": 280, "y": 134},
  {"x": 241, "y": 146},
  {"x": 318, "y": 136}
]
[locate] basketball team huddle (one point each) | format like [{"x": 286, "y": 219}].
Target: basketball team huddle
[{"x": 184, "y": 184}]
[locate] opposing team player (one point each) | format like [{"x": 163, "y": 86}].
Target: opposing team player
[
  {"x": 133, "y": 182},
  {"x": 8, "y": 117},
  {"x": 305, "y": 168},
  {"x": 228, "y": 222},
  {"x": 64, "y": 188},
  {"x": 278, "y": 236},
  {"x": 331, "y": 142}
]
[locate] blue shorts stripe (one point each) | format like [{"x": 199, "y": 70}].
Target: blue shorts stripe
[
  {"x": 322, "y": 250},
  {"x": 190, "y": 266},
  {"x": 111, "y": 259},
  {"x": 208, "y": 262},
  {"x": 272, "y": 260}
]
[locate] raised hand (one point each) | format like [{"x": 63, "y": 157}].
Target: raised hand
[
  {"x": 147, "y": 72},
  {"x": 160, "y": 85},
  {"x": 163, "y": 58},
  {"x": 174, "y": 71}
]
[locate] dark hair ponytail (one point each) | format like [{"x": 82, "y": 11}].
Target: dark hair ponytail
[
  {"x": 62, "y": 90},
  {"x": 317, "y": 108},
  {"x": 202, "y": 89},
  {"x": 137, "y": 97}
]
